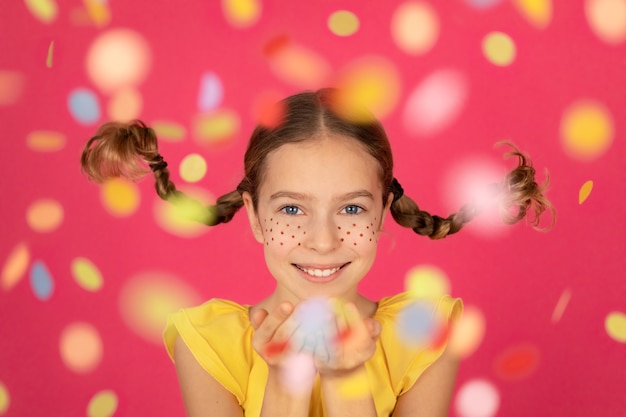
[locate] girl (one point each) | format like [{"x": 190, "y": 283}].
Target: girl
[{"x": 317, "y": 189}]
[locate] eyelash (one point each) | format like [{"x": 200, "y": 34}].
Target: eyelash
[{"x": 285, "y": 209}]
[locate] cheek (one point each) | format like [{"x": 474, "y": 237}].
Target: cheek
[
  {"x": 359, "y": 233},
  {"x": 282, "y": 234}
]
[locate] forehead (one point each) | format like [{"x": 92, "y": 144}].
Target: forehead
[{"x": 323, "y": 166}]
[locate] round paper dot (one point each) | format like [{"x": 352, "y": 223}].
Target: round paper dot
[
  {"x": 299, "y": 66},
  {"x": 586, "y": 130},
  {"x": 41, "y": 281},
  {"x": 417, "y": 324},
  {"x": 467, "y": 333},
  {"x": 5, "y": 399},
  {"x": 11, "y": 87},
  {"x": 477, "y": 398},
  {"x": 84, "y": 106},
  {"x": 242, "y": 13},
  {"x": 427, "y": 281},
  {"x": 185, "y": 217},
  {"x": 415, "y": 27},
  {"x": 117, "y": 59},
  {"x": 44, "y": 215},
  {"x": 499, "y": 48},
  {"x": 482, "y": 4},
  {"x": 298, "y": 373},
  {"x": 120, "y": 197},
  {"x": 193, "y": 168},
  {"x": 86, "y": 274},
  {"x": 607, "y": 19},
  {"x": 343, "y": 23},
  {"x": 517, "y": 362},
  {"x": 44, "y": 141},
  {"x": 211, "y": 92},
  {"x": 15, "y": 266},
  {"x": 615, "y": 325},
  {"x": 216, "y": 127},
  {"x": 584, "y": 192},
  {"x": 268, "y": 109},
  {"x": 147, "y": 299},
  {"x": 98, "y": 12},
  {"x": 169, "y": 131},
  {"x": 44, "y": 10},
  {"x": 125, "y": 104},
  {"x": 537, "y": 12},
  {"x": 81, "y": 347},
  {"x": 103, "y": 404}
]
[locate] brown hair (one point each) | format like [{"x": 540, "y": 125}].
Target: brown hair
[{"x": 124, "y": 149}]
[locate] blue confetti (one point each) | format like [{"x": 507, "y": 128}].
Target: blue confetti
[
  {"x": 482, "y": 4},
  {"x": 84, "y": 107},
  {"x": 211, "y": 92},
  {"x": 41, "y": 281},
  {"x": 416, "y": 323}
]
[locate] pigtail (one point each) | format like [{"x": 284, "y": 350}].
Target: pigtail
[
  {"x": 518, "y": 195},
  {"x": 130, "y": 150}
]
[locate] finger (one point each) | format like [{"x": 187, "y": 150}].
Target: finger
[
  {"x": 267, "y": 329},
  {"x": 373, "y": 327},
  {"x": 257, "y": 317}
]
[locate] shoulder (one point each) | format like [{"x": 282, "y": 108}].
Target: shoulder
[{"x": 390, "y": 307}]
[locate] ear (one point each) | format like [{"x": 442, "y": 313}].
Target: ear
[{"x": 255, "y": 225}]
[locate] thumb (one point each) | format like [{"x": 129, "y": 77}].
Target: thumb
[
  {"x": 257, "y": 317},
  {"x": 373, "y": 326}
]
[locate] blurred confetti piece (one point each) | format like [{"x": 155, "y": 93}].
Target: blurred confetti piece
[
  {"x": 81, "y": 347},
  {"x": 118, "y": 58},
  {"x": 193, "y": 168},
  {"x": 482, "y": 4},
  {"x": 15, "y": 266},
  {"x": 268, "y": 109},
  {"x": 296, "y": 64},
  {"x": 5, "y": 399},
  {"x": 241, "y": 13},
  {"x": 50, "y": 55},
  {"x": 417, "y": 324},
  {"x": 435, "y": 103},
  {"x": 211, "y": 92},
  {"x": 102, "y": 404},
  {"x": 537, "y": 12},
  {"x": 148, "y": 298},
  {"x": 369, "y": 84},
  {"x": 499, "y": 48},
  {"x": 343, "y": 23},
  {"x": 517, "y": 362},
  {"x": 586, "y": 130},
  {"x": 11, "y": 87},
  {"x": 427, "y": 281},
  {"x": 45, "y": 11},
  {"x": 98, "y": 11},
  {"x": 187, "y": 217},
  {"x": 45, "y": 141},
  {"x": 584, "y": 192},
  {"x": 84, "y": 106},
  {"x": 561, "y": 305},
  {"x": 169, "y": 131},
  {"x": 216, "y": 127},
  {"x": 298, "y": 373},
  {"x": 615, "y": 325},
  {"x": 86, "y": 274},
  {"x": 125, "y": 104},
  {"x": 467, "y": 333},
  {"x": 41, "y": 281},
  {"x": 44, "y": 215},
  {"x": 120, "y": 197},
  {"x": 607, "y": 19},
  {"x": 415, "y": 27},
  {"x": 477, "y": 398}
]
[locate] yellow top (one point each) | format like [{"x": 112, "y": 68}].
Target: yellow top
[{"x": 219, "y": 334}]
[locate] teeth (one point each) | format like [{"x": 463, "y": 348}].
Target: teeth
[{"x": 319, "y": 272}]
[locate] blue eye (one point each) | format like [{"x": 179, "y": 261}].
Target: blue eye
[
  {"x": 290, "y": 210},
  {"x": 352, "y": 209}
]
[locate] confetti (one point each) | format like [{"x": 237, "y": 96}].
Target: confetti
[
  {"x": 120, "y": 197},
  {"x": 44, "y": 215},
  {"x": 343, "y": 23},
  {"x": 81, "y": 347},
  {"x": 41, "y": 281},
  {"x": 477, "y": 398},
  {"x": 482, "y": 4},
  {"x": 211, "y": 92},
  {"x": 188, "y": 217},
  {"x": 427, "y": 281},
  {"x": 5, "y": 399},
  {"x": 217, "y": 127},
  {"x": 415, "y": 27},
  {"x": 298, "y": 373},
  {"x": 418, "y": 324},
  {"x": 169, "y": 131},
  {"x": 84, "y": 106},
  {"x": 45, "y": 141},
  {"x": 607, "y": 19},
  {"x": 467, "y": 333},
  {"x": 125, "y": 104},
  {"x": 517, "y": 362},
  {"x": 50, "y": 55},
  {"x": 45, "y": 11},
  {"x": 615, "y": 325},
  {"x": 241, "y": 13},
  {"x": 193, "y": 168},
  {"x": 537, "y": 12},
  {"x": 297, "y": 65},
  {"x": 11, "y": 87},
  {"x": 102, "y": 404},
  {"x": 268, "y": 109},
  {"x": 98, "y": 12},
  {"x": 499, "y": 48},
  {"x": 15, "y": 266},
  {"x": 586, "y": 130},
  {"x": 584, "y": 192},
  {"x": 561, "y": 305},
  {"x": 86, "y": 274},
  {"x": 118, "y": 58}
]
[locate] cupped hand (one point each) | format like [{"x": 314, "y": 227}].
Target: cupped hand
[{"x": 272, "y": 333}]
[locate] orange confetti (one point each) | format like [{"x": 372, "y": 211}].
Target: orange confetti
[
  {"x": 44, "y": 141},
  {"x": 537, "y": 12},
  {"x": 15, "y": 266},
  {"x": 517, "y": 362},
  {"x": 584, "y": 192}
]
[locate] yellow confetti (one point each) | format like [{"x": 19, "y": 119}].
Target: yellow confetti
[
  {"x": 103, "y": 404},
  {"x": 615, "y": 325},
  {"x": 50, "y": 53},
  {"x": 185, "y": 217},
  {"x": 242, "y": 13},
  {"x": 193, "y": 168},
  {"x": 343, "y": 23},
  {"x": 217, "y": 127},
  {"x": 499, "y": 48},
  {"x": 586, "y": 130},
  {"x": 86, "y": 274},
  {"x": 15, "y": 266},
  {"x": 537, "y": 12},
  {"x": 561, "y": 305},
  {"x": 44, "y": 10},
  {"x": 427, "y": 281},
  {"x": 44, "y": 215},
  {"x": 584, "y": 192},
  {"x": 5, "y": 399},
  {"x": 169, "y": 131},
  {"x": 120, "y": 197},
  {"x": 607, "y": 19},
  {"x": 415, "y": 27},
  {"x": 98, "y": 11},
  {"x": 45, "y": 141}
]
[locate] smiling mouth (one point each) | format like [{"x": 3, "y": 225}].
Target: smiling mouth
[{"x": 315, "y": 272}]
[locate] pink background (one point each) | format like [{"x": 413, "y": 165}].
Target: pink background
[{"x": 515, "y": 278}]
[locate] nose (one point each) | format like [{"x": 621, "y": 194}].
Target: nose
[{"x": 323, "y": 236}]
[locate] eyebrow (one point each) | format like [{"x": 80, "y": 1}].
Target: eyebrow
[{"x": 301, "y": 196}]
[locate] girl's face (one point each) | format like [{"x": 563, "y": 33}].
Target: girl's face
[{"x": 319, "y": 215}]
